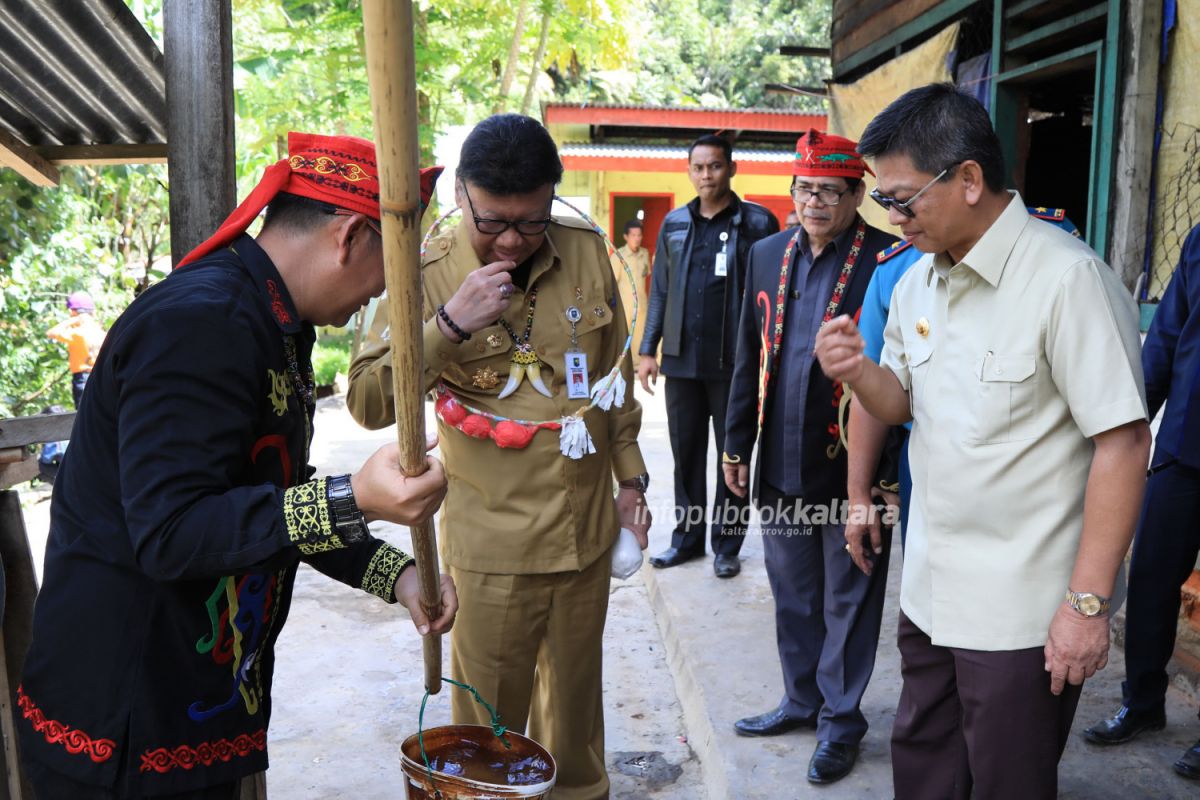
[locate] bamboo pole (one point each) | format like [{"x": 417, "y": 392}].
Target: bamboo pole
[{"x": 391, "y": 73}]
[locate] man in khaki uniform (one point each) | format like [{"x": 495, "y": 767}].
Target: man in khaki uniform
[
  {"x": 638, "y": 259},
  {"x": 516, "y": 304},
  {"x": 1014, "y": 350}
]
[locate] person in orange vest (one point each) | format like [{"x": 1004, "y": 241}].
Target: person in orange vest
[{"x": 82, "y": 335}]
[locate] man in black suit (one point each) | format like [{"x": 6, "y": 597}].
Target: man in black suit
[
  {"x": 827, "y": 610},
  {"x": 695, "y": 296}
]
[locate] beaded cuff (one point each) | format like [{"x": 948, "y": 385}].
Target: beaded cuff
[
  {"x": 382, "y": 571},
  {"x": 306, "y": 515}
]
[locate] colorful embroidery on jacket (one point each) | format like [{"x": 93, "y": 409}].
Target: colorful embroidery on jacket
[
  {"x": 75, "y": 740},
  {"x": 163, "y": 759}
]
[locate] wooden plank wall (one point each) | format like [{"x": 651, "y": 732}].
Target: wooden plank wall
[{"x": 861, "y": 23}]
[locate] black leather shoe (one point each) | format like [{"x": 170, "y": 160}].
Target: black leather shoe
[
  {"x": 831, "y": 762},
  {"x": 673, "y": 557},
  {"x": 1189, "y": 764},
  {"x": 772, "y": 723},
  {"x": 1125, "y": 725},
  {"x": 726, "y": 566}
]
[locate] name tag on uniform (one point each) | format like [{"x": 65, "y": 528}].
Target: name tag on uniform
[
  {"x": 577, "y": 375},
  {"x": 719, "y": 268}
]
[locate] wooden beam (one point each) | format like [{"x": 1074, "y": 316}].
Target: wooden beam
[
  {"x": 799, "y": 50},
  {"x": 16, "y": 155},
  {"x": 1059, "y": 27},
  {"x": 21, "y": 472},
  {"x": 21, "y": 431},
  {"x": 1135, "y": 141},
  {"x": 198, "y": 53},
  {"x": 104, "y": 154},
  {"x": 20, "y": 591},
  {"x": 13, "y": 455}
]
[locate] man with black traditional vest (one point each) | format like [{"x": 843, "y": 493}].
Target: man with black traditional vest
[
  {"x": 827, "y": 612},
  {"x": 695, "y": 295},
  {"x": 186, "y": 501}
]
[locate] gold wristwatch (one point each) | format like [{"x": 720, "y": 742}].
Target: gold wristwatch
[{"x": 1088, "y": 604}]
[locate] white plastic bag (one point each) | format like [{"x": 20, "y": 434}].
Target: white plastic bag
[{"x": 627, "y": 555}]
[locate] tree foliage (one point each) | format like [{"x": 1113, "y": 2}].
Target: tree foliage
[{"x": 299, "y": 65}]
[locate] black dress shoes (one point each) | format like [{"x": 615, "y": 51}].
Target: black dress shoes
[
  {"x": 772, "y": 723},
  {"x": 831, "y": 762},
  {"x": 1189, "y": 765},
  {"x": 726, "y": 566},
  {"x": 673, "y": 557},
  {"x": 1125, "y": 725}
]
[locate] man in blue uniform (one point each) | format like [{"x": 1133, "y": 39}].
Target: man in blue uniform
[
  {"x": 186, "y": 501},
  {"x": 1168, "y": 538}
]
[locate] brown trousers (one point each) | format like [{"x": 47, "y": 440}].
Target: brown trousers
[
  {"x": 975, "y": 724},
  {"x": 531, "y": 645}
]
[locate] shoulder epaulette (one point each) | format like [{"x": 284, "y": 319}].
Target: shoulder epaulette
[
  {"x": 578, "y": 223},
  {"x": 1049, "y": 214},
  {"x": 898, "y": 247},
  {"x": 439, "y": 247}
]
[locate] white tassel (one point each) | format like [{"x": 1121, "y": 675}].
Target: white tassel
[
  {"x": 618, "y": 390},
  {"x": 613, "y": 395},
  {"x": 574, "y": 441}
]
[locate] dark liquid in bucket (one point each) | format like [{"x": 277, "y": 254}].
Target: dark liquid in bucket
[
  {"x": 469, "y": 762},
  {"x": 466, "y": 759}
]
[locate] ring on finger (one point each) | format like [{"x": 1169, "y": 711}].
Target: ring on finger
[{"x": 506, "y": 290}]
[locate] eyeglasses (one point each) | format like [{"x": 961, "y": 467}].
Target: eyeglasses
[
  {"x": 372, "y": 224},
  {"x": 904, "y": 208},
  {"x": 827, "y": 197},
  {"x": 495, "y": 227}
]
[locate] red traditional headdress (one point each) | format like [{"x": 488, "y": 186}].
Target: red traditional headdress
[
  {"x": 339, "y": 170},
  {"x": 821, "y": 154}
]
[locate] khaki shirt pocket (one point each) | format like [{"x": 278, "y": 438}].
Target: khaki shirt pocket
[
  {"x": 1006, "y": 398},
  {"x": 918, "y": 354},
  {"x": 489, "y": 348}
]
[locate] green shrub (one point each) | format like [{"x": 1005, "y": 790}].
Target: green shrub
[{"x": 331, "y": 355}]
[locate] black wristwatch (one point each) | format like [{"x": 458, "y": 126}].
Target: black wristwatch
[
  {"x": 348, "y": 522},
  {"x": 639, "y": 482}
]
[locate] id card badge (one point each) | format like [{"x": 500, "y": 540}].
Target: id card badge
[
  {"x": 719, "y": 268},
  {"x": 577, "y": 375}
]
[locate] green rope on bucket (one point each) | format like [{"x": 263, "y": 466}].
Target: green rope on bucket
[{"x": 498, "y": 729}]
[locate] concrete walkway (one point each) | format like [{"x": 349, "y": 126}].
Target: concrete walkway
[
  {"x": 685, "y": 655},
  {"x": 720, "y": 640}
]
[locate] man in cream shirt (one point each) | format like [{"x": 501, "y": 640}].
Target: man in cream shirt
[{"x": 1014, "y": 350}]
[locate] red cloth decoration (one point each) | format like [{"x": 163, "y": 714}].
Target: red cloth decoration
[
  {"x": 451, "y": 412},
  {"x": 513, "y": 434},
  {"x": 477, "y": 426},
  {"x": 339, "y": 170},
  {"x": 820, "y": 154}
]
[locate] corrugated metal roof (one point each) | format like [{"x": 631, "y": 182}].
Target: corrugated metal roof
[
  {"x": 79, "y": 72},
  {"x": 639, "y": 151},
  {"x": 705, "y": 109}
]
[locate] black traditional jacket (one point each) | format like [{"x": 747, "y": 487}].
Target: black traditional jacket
[
  {"x": 179, "y": 516},
  {"x": 823, "y": 459}
]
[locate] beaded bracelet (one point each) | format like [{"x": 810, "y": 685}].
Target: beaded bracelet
[{"x": 459, "y": 332}]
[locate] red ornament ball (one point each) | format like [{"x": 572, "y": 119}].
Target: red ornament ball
[
  {"x": 477, "y": 426},
  {"x": 513, "y": 434}
]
